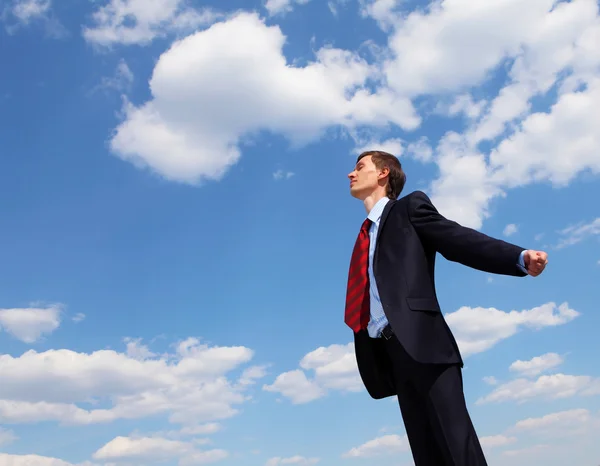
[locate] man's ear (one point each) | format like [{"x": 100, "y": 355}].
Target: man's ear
[{"x": 383, "y": 173}]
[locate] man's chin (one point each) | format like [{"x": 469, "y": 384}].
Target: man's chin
[{"x": 355, "y": 193}]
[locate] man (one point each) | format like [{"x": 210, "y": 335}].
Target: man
[{"x": 403, "y": 345}]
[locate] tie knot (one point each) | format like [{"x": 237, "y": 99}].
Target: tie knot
[{"x": 366, "y": 224}]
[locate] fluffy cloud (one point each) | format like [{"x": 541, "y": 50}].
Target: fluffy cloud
[
  {"x": 527, "y": 451},
  {"x": 189, "y": 386},
  {"x": 380, "y": 446},
  {"x": 29, "y": 324},
  {"x": 6, "y": 436},
  {"x": 510, "y": 229},
  {"x": 280, "y": 7},
  {"x": 215, "y": 88},
  {"x": 496, "y": 441},
  {"x": 578, "y": 233},
  {"x": 293, "y": 460},
  {"x": 548, "y": 387},
  {"x": 147, "y": 450},
  {"x": 573, "y": 422},
  {"x": 334, "y": 368},
  {"x": 546, "y": 138},
  {"x": 27, "y": 10},
  {"x": 542, "y": 44},
  {"x": 282, "y": 175},
  {"x": 429, "y": 41},
  {"x": 206, "y": 104},
  {"x": 535, "y": 435},
  {"x": 476, "y": 330},
  {"x": 17, "y": 14},
  {"x": 479, "y": 329},
  {"x": 121, "y": 81},
  {"x": 140, "y": 22},
  {"x": 36, "y": 460},
  {"x": 490, "y": 380},
  {"x": 537, "y": 365}
]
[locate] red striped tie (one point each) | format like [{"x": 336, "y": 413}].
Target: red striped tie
[{"x": 357, "y": 294}]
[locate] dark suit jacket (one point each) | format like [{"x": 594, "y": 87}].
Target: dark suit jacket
[{"x": 411, "y": 232}]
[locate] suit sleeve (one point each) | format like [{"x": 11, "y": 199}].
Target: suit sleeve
[{"x": 461, "y": 244}]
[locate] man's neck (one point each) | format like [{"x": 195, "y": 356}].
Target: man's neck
[{"x": 371, "y": 200}]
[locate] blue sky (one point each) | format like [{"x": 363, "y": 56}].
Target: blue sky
[{"x": 177, "y": 224}]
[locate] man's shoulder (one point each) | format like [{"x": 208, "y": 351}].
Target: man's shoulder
[
  {"x": 417, "y": 194},
  {"x": 415, "y": 197}
]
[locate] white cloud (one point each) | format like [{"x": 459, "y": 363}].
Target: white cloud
[
  {"x": 282, "y": 175},
  {"x": 6, "y": 437},
  {"x": 380, "y": 446},
  {"x": 296, "y": 386},
  {"x": 281, "y": 7},
  {"x": 479, "y": 329},
  {"x": 490, "y": 380},
  {"x": 510, "y": 229},
  {"x": 121, "y": 81},
  {"x": 294, "y": 460},
  {"x": 496, "y": 441},
  {"x": 476, "y": 330},
  {"x": 333, "y": 6},
  {"x": 36, "y": 460},
  {"x": 142, "y": 449},
  {"x": 578, "y": 233},
  {"x": 136, "y": 350},
  {"x": 27, "y": 10},
  {"x": 29, "y": 324},
  {"x": 537, "y": 365},
  {"x": 548, "y": 387},
  {"x": 527, "y": 451},
  {"x": 547, "y": 137},
  {"x": 252, "y": 374},
  {"x": 540, "y": 43},
  {"x": 551, "y": 429},
  {"x": 463, "y": 190},
  {"x": 216, "y": 87},
  {"x": 140, "y": 22},
  {"x": 203, "y": 429},
  {"x": 393, "y": 146},
  {"x": 189, "y": 386},
  {"x": 155, "y": 449},
  {"x": 382, "y": 11},
  {"x": 202, "y": 119},
  {"x": 420, "y": 150},
  {"x": 463, "y": 104},
  {"x": 570, "y": 422},
  {"x": 334, "y": 368},
  {"x": 17, "y": 14},
  {"x": 433, "y": 43},
  {"x": 79, "y": 317}
]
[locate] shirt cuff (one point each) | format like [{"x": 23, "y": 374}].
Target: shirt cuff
[{"x": 521, "y": 263}]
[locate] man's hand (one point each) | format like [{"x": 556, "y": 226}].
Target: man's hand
[{"x": 535, "y": 262}]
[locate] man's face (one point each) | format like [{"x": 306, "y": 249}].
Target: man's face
[{"x": 365, "y": 178}]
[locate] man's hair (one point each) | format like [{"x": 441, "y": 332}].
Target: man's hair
[{"x": 396, "y": 178}]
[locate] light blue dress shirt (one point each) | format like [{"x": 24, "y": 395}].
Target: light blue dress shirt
[{"x": 378, "y": 321}]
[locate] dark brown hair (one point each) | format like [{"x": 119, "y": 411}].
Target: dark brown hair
[{"x": 396, "y": 178}]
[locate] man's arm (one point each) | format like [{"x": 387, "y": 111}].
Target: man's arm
[{"x": 461, "y": 244}]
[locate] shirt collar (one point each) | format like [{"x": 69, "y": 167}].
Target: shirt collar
[{"x": 377, "y": 209}]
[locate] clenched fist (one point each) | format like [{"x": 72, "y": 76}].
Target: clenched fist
[{"x": 535, "y": 262}]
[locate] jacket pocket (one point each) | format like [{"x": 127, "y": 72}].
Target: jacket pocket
[{"x": 423, "y": 304}]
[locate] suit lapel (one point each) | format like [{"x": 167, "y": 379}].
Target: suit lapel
[{"x": 384, "y": 216}]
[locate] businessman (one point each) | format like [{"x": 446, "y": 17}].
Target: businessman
[{"x": 403, "y": 345}]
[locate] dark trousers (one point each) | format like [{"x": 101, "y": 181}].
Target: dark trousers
[{"x": 432, "y": 403}]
